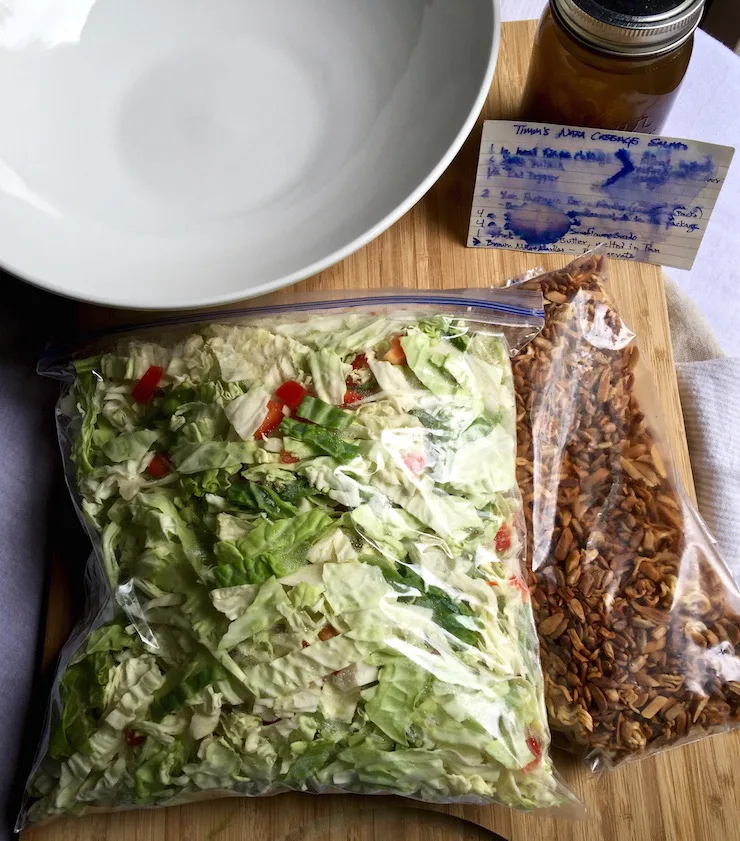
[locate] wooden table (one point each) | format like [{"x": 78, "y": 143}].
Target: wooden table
[{"x": 691, "y": 793}]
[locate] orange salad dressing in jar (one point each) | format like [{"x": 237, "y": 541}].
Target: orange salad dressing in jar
[{"x": 610, "y": 63}]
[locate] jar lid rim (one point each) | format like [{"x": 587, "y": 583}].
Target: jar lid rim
[{"x": 625, "y": 34}]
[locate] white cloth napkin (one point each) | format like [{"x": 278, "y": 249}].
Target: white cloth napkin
[
  {"x": 709, "y": 384},
  {"x": 710, "y": 395}
]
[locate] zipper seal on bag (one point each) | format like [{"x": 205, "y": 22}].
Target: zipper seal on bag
[{"x": 526, "y": 307}]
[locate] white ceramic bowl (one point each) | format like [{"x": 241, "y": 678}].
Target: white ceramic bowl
[{"x": 181, "y": 153}]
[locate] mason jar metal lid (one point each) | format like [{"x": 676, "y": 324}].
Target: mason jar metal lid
[{"x": 630, "y": 27}]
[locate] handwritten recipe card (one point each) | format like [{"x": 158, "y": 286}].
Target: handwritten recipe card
[{"x": 543, "y": 187}]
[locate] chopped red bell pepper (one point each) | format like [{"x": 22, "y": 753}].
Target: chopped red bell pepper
[
  {"x": 360, "y": 361},
  {"x": 536, "y": 749},
  {"x": 517, "y": 582},
  {"x": 535, "y": 746},
  {"x": 503, "y": 539},
  {"x": 396, "y": 354},
  {"x": 159, "y": 467},
  {"x": 352, "y": 396},
  {"x": 144, "y": 389},
  {"x": 287, "y": 458},
  {"x": 530, "y": 766},
  {"x": 273, "y": 419},
  {"x": 134, "y": 739},
  {"x": 292, "y": 394}
]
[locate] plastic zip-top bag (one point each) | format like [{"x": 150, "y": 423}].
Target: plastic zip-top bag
[
  {"x": 638, "y": 616},
  {"x": 306, "y": 573}
]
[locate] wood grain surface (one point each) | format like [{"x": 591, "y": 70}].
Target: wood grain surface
[{"x": 687, "y": 794}]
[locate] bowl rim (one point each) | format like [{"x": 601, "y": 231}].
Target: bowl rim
[{"x": 331, "y": 259}]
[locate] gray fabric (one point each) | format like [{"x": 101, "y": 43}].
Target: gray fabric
[
  {"x": 692, "y": 337},
  {"x": 29, "y": 463},
  {"x": 709, "y": 385},
  {"x": 710, "y": 396}
]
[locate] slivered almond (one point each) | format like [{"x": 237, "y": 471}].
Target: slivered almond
[
  {"x": 654, "y": 707},
  {"x": 623, "y": 659},
  {"x": 550, "y": 625}
]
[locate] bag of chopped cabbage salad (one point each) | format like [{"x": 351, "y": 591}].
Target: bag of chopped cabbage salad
[{"x": 306, "y": 573}]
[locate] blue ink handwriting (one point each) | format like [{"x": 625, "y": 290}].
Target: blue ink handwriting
[
  {"x": 559, "y": 188},
  {"x": 627, "y": 167},
  {"x": 522, "y": 128}
]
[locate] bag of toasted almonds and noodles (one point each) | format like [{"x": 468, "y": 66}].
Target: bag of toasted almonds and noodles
[
  {"x": 308, "y": 537},
  {"x": 637, "y": 615}
]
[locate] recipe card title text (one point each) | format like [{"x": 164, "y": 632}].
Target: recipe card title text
[{"x": 543, "y": 187}]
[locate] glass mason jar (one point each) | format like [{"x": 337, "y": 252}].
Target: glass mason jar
[{"x": 610, "y": 63}]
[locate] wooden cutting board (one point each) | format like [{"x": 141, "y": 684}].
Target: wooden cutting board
[{"x": 690, "y": 793}]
